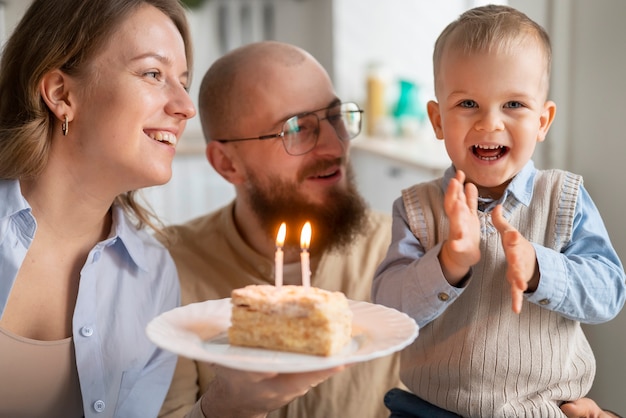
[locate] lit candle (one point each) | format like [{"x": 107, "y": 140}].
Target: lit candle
[
  {"x": 305, "y": 242},
  {"x": 278, "y": 259}
]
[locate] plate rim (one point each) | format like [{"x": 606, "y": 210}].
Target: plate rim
[{"x": 170, "y": 330}]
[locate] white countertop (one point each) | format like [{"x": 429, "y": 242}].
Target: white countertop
[{"x": 429, "y": 153}]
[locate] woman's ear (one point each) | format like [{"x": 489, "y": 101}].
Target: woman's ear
[
  {"x": 55, "y": 93},
  {"x": 225, "y": 161},
  {"x": 435, "y": 118}
]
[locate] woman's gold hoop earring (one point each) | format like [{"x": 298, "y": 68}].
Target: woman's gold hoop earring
[{"x": 65, "y": 127}]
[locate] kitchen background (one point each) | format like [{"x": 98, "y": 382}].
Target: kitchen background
[{"x": 392, "y": 41}]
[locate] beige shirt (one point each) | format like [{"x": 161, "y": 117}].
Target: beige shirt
[
  {"x": 212, "y": 260},
  {"x": 38, "y": 378}
]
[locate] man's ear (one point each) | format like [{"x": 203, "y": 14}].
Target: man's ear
[
  {"x": 225, "y": 161},
  {"x": 546, "y": 119},
  {"x": 54, "y": 90},
  {"x": 435, "y": 118}
]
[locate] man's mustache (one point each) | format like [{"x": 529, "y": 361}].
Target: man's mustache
[{"x": 319, "y": 166}]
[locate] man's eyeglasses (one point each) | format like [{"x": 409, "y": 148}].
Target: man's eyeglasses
[{"x": 301, "y": 132}]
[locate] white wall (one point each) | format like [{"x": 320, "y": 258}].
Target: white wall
[
  {"x": 399, "y": 34},
  {"x": 595, "y": 147},
  {"x": 10, "y": 13}
]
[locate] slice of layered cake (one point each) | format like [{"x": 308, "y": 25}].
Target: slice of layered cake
[{"x": 290, "y": 318}]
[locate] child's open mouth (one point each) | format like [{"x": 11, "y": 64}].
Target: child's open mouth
[{"x": 489, "y": 152}]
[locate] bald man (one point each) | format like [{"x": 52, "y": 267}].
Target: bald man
[{"x": 276, "y": 130}]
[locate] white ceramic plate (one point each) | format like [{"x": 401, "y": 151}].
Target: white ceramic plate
[{"x": 198, "y": 331}]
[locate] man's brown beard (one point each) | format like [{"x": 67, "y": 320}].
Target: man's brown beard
[{"x": 335, "y": 223}]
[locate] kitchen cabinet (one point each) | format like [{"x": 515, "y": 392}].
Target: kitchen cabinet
[
  {"x": 194, "y": 189},
  {"x": 383, "y": 167}
]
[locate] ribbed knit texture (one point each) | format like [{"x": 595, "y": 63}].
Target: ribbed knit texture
[{"x": 479, "y": 359}]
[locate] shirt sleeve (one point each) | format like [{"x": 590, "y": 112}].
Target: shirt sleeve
[
  {"x": 396, "y": 282},
  {"x": 585, "y": 282}
]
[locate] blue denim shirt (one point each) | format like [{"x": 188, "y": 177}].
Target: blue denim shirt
[
  {"x": 564, "y": 286},
  {"x": 127, "y": 280}
]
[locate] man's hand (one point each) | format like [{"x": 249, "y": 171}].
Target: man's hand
[
  {"x": 585, "y": 408},
  {"x": 522, "y": 271},
  {"x": 236, "y": 393},
  {"x": 462, "y": 248}
]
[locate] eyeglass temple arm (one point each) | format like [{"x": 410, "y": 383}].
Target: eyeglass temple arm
[{"x": 262, "y": 137}]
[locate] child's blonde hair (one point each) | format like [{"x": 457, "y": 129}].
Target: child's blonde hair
[{"x": 491, "y": 28}]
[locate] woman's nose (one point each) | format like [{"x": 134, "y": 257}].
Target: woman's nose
[{"x": 180, "y": 104}]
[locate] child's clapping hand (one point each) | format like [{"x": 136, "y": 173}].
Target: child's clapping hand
[
  {"x": 522, "y": 270},
  {"x": 462, "y": 248}
]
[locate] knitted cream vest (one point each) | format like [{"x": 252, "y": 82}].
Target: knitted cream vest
[{"x": 479, "y": 359}]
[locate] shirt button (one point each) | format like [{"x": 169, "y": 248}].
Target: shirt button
[
  {"x": 444, "y": 297},
  {"x": 544, "y": 302},
  {"x": 99, "y": 406},
  {"x": 86, "y": 331}
]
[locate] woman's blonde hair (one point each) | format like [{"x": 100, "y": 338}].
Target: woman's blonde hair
[{"x": 63, "y": 35}]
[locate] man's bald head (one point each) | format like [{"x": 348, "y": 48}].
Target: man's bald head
[{"x": 229, "y": 88}]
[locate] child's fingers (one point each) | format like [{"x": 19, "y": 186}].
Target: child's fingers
[
  {"x": 501, "y": 224},
  {"x": 451, "y": 196},
  {"x": 471, "y": 197},
  {"x": 518, "y": 296},
  {"x": 460, "y": 176}
]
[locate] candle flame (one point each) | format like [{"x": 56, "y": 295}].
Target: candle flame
[
  {"x": 280, "y": 238},
  {"x": 305, "y": 236}
]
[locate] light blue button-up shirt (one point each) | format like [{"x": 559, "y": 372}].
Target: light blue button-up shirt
[
  {"x": 127, "y": 280},
  {"x": 564, "y": 286}
]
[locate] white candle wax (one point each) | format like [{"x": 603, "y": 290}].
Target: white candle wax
[
  {"x": 278, "y": 258},
  {"x": 305, "y": 242},
  {"x": 278, "y": 261},
  {"x": 306, "y": 268}
]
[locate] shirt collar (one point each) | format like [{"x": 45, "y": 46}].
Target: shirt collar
[
  {"x": 521, "y": 187},
  {"x": 11, "y": 198},
  {"x": 227, "y": 218},
  {"x": 126, "y": 232},
  {"x": 122, "y": 228}
]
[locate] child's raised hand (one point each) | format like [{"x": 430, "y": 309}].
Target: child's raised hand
[
  {"x": 462, "y": 248},
  {"x": 522, "y": 271}
]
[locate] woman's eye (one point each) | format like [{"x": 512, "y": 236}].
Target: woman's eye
[
  {"x": 468, "y": 104},
  {"x": 152, "y": 74}
]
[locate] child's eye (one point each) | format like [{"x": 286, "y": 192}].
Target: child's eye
[
  {"x": 468, "y": 104},
  {"x": 513, "y": 105}
]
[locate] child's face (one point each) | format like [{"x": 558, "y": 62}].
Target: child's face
[{"x": 491, "y": 112}]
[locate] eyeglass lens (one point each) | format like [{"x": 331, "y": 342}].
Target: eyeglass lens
[{"x": 301, "y": 132}]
